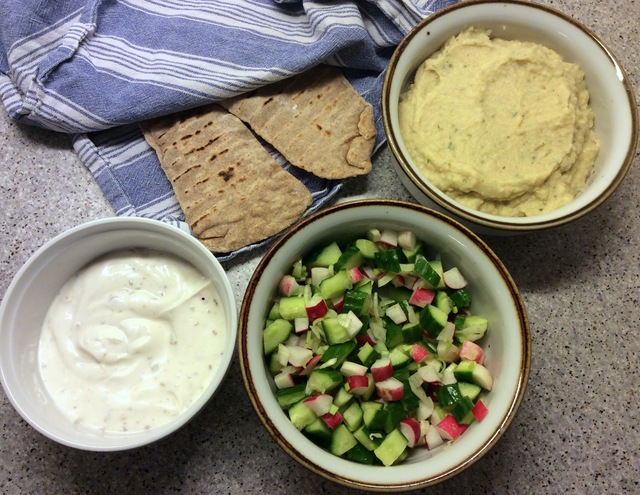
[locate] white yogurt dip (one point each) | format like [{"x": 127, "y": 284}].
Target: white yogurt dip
[{"x": 131, "y": 341}]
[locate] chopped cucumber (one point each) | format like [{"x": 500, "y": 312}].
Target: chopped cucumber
[
  {"x": 342, "y": 440},
  {"x": 358, "y": 299},
  {"x": 275, "y": 334}
]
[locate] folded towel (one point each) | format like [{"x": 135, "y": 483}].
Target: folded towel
[{"x": 94, "y": 68}]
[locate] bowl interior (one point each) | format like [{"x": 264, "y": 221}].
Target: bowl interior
[
  {"x": 611, "y": 95},
  {"x": 507, "y": 342},
  {"x": 28, "y": 298}
]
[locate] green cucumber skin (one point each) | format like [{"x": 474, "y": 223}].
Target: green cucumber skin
[{"x": 352, "y": 438}]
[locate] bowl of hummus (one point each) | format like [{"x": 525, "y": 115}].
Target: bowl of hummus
[
  {"x": 116, "y": 333},
  {"x": 509, "y": 116}
]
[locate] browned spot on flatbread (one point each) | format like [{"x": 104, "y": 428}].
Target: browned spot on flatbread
[
  {"x": 210, "y": 173},
  {"x": 316, "y": 120}
]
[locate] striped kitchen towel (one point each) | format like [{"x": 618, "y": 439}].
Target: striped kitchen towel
[{"x": 94, "y": 68}]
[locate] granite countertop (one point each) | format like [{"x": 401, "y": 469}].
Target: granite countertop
[{"x": 577, "y": 431}]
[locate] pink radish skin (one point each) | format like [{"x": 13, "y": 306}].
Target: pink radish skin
[
  {"x": 479, "y": 411},
  {"x": 300, "y": 325},
  {"x": 390, "y": 389},
  {"x": 311, "y": 364},
  {"x": 449, "y": 428},
  {"x": 299, "y": 356},
  {"x": 382, "y": 369},
  {"x": 284, "y": 380},
  {"x": 418, "y": 353},
  {"x": 317, "y": 309},
  {"x": 289, "y": 286},
  {"x": 367, "y": 338},
  {"x": 410, "y": 428},
  {"x": 357, "y": 384},
  {"x": 337, "y": 303},
  {"x": 472, "y": 352},
  {"x": 355, "y": 274},
  {"x": 422, "y": 297},
  {"x": 332, "y": 420},
  {"x": 319, "y": 404}
]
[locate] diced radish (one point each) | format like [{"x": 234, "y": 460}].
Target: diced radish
[
  {"x": 418, "y": 353},
  {"x": 300, "y": 325},
  {"x": 472, "y": 351},
  {"x": 370, "y": 272},
  {"x": 449, "y": 428},
  {"x": 299, "y": 356},
  {"x": 398, "y": 281},
  {"x": 422, "y": 297},
  {"x": 410, "y": 428},
  {"x": 389, "y": 237},
  {"x": 396, "y": 313},
  {"x": 432, "y": 438},
  {"x": 319, "y": 404},
  {"x": 316, "y": 308},
  {"x": 311, "y": 364},
  {"x": 479, "y": 410},
  {"x": 381, "y": 369},
  {"x": 407, "y": 240},
  {"x": 332, "y": 420},
  {"x": 337, "y": 303},
  {"x": 409, "y": 281},
  {"x": 349, "y": 368},
  {"x": 454, "y": 279},
  {"x": 284, "y": 380},
  {"x": 357, "y": 384},
  {"x": 356, "y": 275},
  {"x": 318, "y": 274},
  {"x": 289, "y": 286},
  {"x": 365, "y": 338},
  {"x": 390, "y": 389}
]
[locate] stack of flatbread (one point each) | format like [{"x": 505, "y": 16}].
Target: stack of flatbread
[{"x": 232, "y": 192}]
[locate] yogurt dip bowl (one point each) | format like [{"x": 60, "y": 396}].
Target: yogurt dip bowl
[
  {"x": 611, "y": 99},
  {"x": 29, "y": 296},
  {"x": 507, "y": 343}
]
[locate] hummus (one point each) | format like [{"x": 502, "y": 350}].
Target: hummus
[{"x": 500, "y": 126}]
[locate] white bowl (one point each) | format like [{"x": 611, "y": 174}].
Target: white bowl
[
  {"x": 35, "y": 285},
  {"x": 612, "y": 101},
  {"x": 508, "y": 345}
]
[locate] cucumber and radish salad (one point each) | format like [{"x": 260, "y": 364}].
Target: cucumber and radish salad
[{"x": 373, "y": 349}]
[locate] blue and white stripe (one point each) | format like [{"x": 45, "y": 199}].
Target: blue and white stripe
[{"x": 94, "y": 68}]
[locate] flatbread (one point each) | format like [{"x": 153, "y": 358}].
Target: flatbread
[
  {"x": 316, "y": 120},
  {"x": 232, "y": 192}
]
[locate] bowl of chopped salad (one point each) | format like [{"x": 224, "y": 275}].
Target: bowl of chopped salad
[{"x": 383, "y": 345}]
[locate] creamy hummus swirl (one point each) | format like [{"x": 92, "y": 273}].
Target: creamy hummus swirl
[{"x": 501, "y": 126}]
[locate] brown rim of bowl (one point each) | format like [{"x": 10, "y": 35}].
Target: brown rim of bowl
[
  {"x": 452, "y": 206},
  {"x": 243, "y": 334}
]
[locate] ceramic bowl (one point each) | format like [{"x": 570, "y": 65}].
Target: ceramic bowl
[
  {"x": 35, "y": 285},
  {"x": 611, "y": 99},
  {"x": 508, "y": 346}
]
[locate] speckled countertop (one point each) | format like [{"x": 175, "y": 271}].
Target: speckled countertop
[{"x": 577, "y": 430}]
